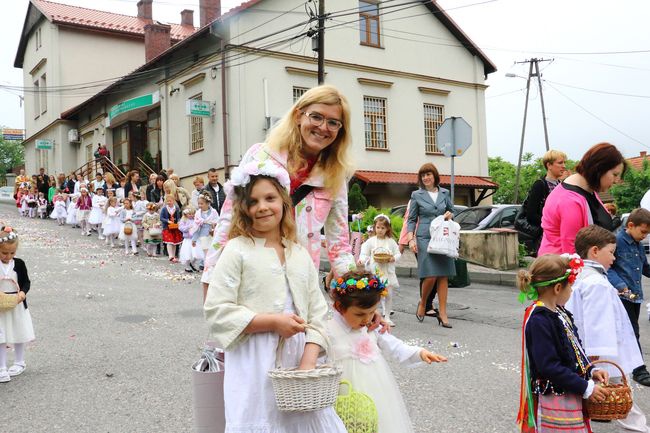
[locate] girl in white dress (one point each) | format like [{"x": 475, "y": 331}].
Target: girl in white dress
[
  {"x": 97, "y": 212},
  {"x": 71, "y": 219},
  {"x": 382, "y": 244},
  {"x": 185, "y": 254},
  {"x": 16, "y": 323},
  {"x": 42, "y": 206},
  {"x": 112, "y": 225},
  {"x": 126, "y": 219},
  {"x": 266, "y": 287},
  {"x": 361, "y": 353},
  {"x": 59, "y": 212}
]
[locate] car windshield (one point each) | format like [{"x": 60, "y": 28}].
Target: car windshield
[{"x": 469, "y": 219}]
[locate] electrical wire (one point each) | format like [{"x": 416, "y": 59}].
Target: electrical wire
[
  {"x": 505, "y": 93},
  {"x": 630, "y": 95},
  {"x": 598, "y": 118}
]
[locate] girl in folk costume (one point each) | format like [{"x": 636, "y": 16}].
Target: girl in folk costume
[
  {"x": 30, "y": 203},
  {"x": 152, "y": 230},
  {"x": 170, "y": 215},
  {"x": 84, "y": 206},
  {"x": 111, "y": 225},
  {"x": 361, "y": 353},
  {"x": 22, "y": 191},
  {"x": 97, "y": 214},
  {"x": 266, "y": 287},
  {"x": 380, "y": 252},
  {"x": 128, "y": 230},
  {"x": 185, "y": 225},
  {"x": 42, "y": 206},
  {"x": 140, "y": 208},
  {"x": 17, "y": 322},
  {"x": 204, "y": 221},
  {"x": 555, "y": 372},
  {"x": 59, "y": 213},
  {"x": 71, "y": 219}
]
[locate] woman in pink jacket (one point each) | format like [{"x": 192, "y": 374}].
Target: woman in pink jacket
[
  {"x": 311, "y": 142},
  {"x": 575, "y": 203}
]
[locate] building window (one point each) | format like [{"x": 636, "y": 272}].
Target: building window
[
  {"x": 41, "y": 158},
  {"x": 121, "y": 145},
  {"x": 374, "y": 114},
  {"x": 298, "y": 92},
  {"x": 43, "y": 90},
  {"x": 196, "y": 129},
  {"x": 434, "y": 115},
  {"x": 37, "y": 39},
  {"x": 369, "y": 23},
  {"x": 37, "y": 100}
]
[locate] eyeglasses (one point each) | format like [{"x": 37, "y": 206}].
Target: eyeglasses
[{"x": 317, "y": 119}]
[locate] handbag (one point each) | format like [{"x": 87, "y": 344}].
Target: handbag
[
  {"x": 522, "y": 224},
  {"x": 445, "y": 237},
  {"x": 357, "y": 411},
  {"x": 8, "y": 301},
  {"x": 128, "y": 228},
  {"x": 207, "y": 391},
  {"x": 172, "y": 226},
  {"x": 155, "y": 232}
]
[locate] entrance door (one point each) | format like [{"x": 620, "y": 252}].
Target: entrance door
[{"x": 137, "y": 143}]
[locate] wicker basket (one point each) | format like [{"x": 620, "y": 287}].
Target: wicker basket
[
  {"x": 381, "y": 255},
  {"x": 617, "y": 405},
  {"x": 8, "y": 301},
  {"x": 305, "y": 390},
  {"x": 128, "y": 229}
]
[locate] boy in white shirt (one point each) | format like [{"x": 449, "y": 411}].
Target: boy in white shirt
[{"x": 599, "y": 315}]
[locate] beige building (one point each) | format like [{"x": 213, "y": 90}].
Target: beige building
[{"x": 403, "y": 70}]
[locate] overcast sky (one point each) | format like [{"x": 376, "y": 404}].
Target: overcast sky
[{"x": 590, "y": 94}]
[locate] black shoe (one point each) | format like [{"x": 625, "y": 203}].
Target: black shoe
[
  {"x": 188, "y": 270},
  {"x": 193, "y": 268},
  {"x": 641, "y": 375}
]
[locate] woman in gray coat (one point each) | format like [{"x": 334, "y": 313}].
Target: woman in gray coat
[{"x": 427, "y": 203}]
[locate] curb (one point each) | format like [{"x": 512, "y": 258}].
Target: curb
[{"x": 496, "y": 278}]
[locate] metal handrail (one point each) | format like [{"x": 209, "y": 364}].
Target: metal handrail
[{"x": 145, "y": 165}]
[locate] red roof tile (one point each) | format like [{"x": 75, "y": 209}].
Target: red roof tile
[
  {"x": 412, "y": 179},
  {"x": 637, "y": 162},
  {"x": 101, "y": 20}
]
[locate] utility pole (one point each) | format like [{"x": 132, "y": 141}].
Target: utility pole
[
  {"x": 533, "y": 63},
  {"x": 321, "y": 42}
]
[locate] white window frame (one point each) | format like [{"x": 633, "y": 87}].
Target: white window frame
[
  {"x": 43, "y": 93},
  {"x": 434, "y": 116},
  {"x": 37, "y": 99},
  {"x": 298, "y": 91},
  {"x": 375, "y": 122}
]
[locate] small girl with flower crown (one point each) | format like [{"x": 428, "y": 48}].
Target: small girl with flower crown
[
  {"x": 16, "y": 322},
  {"x": 556, "y": 374},
  {"x": 266, "y": 287},
  {"x": 59, "y": 213},
  {"x": 362, "y": 354}
]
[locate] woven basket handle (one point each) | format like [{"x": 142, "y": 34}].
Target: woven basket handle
[
  {"x": 604, "y": 361},
  {"x": 328, "y": 349}
]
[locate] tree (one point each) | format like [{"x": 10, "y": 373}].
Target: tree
[
  {"x": 356, "y": 201},
  {"x": 629, "y": 193},
  {"x": 12, "y": 154}
]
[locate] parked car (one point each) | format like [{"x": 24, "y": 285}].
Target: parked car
[
  {"x": 401, "y": 210},
  {"x": 497, "y": 216},
  {"x": 7, "y": 194},
  {"x": 645, "y": 242}
]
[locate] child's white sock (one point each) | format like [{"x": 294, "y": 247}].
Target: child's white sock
[
  {"x": 19, "y": 351},
  {"x": 134, "y": 247},
  {"x": 3, "y": 356}
]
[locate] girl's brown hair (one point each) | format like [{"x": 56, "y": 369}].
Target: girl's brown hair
[
  {"x": 129, "y": 201},
  {"x": 544, "y": 268},
  {"x": 386, "y": 222},
  {"x": 355, "y": 298},
  {"x": 109, "y": 201},
  {"x": 242, "y": 223}
]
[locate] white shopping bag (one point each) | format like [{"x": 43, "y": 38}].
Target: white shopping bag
[{"x": 445, "y": 236}]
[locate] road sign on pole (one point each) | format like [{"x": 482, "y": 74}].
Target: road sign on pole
[{"x": 454, "y": 137}]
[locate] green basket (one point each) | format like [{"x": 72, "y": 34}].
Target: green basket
[{"x": 357, "y": 411}]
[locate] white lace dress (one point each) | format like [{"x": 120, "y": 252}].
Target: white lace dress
[
  {"x": 249, "y": 398},
  {"x": 17, "y": 322}
]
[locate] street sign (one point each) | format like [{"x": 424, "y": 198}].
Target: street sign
[
  {"x": 13, "y": 134},
  {"x": 454, "y": 137},
  {"x": 44, "y": 144},
  {"x": 198, "y": 108}
]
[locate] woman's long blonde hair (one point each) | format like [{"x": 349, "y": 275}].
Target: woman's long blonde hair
[
  {"x": 171, "y": 185},
  {"x": 242, "y": 224},
  {"x": 334, "y": 160}
]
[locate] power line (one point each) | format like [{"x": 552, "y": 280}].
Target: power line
[
  {"x": 598, "y": 118},
  {"x": 505, "y": 93},
  {"x": 598, "y": 91}
]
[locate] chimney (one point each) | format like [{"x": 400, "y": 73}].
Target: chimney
[
  {"x": 209, "y": 10},
  {"x": 157, "y": 39},
  {"x": 187, "y": 17},
  {"x": 144, "y": 9},
  {"x": 643, "y": 153}
]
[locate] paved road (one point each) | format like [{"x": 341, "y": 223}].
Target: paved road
[{"x": 116, "y": 336}]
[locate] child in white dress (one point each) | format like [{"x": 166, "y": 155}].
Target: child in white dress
[
  {"x": 382, "y": 244},
  {"x": 266, "y": 288},
  {"x": 97, "y": 215},
  {"x": 185, "y": 225},
  {"x": 71, "y": 219},
  {"x": 16, "y": 323},
  {"x": 126, "y": 219},
  {"x": 599, "y": 314},
  {"x": 202, "y": 230},
  {"x": 42, "y": 206},
  {"x": 59, "y": 212},
  {"x": 362, "y": 354},
  {"x": 140, "y": 208},
  {"x": 111, "y": 225}
]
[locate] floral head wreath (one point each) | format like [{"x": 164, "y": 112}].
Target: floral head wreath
[
  {"x": 11, "y": 234},
  {"x": 575, "y": 267},
  {"x": 241, "y": 176},
  {"x": 345, "y": 286},
  {"x": 381, "y": 215}
]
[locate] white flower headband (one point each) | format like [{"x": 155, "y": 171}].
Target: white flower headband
[
  {"x": 381, "y": 215},
  {"x": 241, "y": 176},
  {"x": 10, "y": 236}
]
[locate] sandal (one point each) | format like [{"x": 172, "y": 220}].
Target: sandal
[
  {"x": 642, "y": 377},
  {"x": 417, "y": 316},
  {"x": 432, "y": 313}
]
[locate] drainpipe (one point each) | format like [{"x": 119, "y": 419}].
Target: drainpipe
[
  {"x": 224, "y": 112},
  {"x": 166, "y": 96}
]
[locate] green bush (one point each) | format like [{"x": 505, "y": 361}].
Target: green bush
[
  {"x": 356, "y": 201},
  {"x": 369, "y": 215}
]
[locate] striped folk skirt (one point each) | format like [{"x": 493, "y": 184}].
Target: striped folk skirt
[{"x": 561, "y": 413}]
